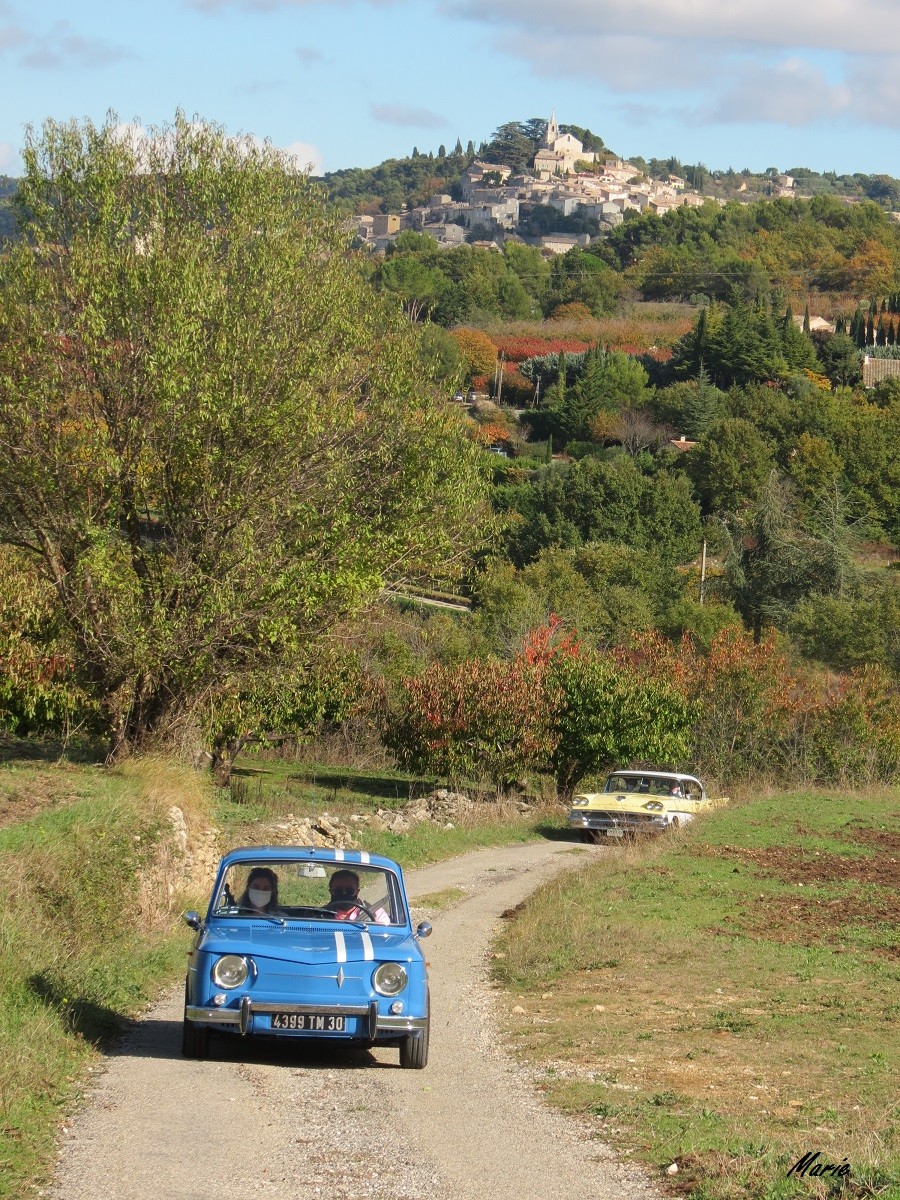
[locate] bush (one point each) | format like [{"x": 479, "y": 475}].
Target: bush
[{"x": 478, "y": 351}]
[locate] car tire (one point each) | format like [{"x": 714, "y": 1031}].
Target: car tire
[
  {"x": 194, "y": 1037},
  {"x": 414, "y": 1049}
]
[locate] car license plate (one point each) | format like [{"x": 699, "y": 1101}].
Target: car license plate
[
  {"x": 309, "y": 1022},
  {"x": 615, "y": 833}
]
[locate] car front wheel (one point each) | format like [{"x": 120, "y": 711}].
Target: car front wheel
[
  {"x": 194, "y": 1037},
  {"x": 414, "y": 1049}
]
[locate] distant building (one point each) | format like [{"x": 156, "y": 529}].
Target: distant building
[
  {"x": 384, "y": 224},
  {"x": 559, "y": 152},
  {"x": 876, "y": 369}
]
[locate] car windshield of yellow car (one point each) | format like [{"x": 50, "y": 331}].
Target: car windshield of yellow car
[
  {"x": 643, "y": 785},
  {"x": 301, "y": 892}
]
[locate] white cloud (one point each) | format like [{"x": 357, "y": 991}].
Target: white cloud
[
  {"x": 790, "y": 93},
  {"x": 842, "y": 25},
  {"x": 875, "y": 85},
  {"x": 305, "y": 157},
  {"x": 401, "y": 114},
  {"x": 62, "y": 47},
  {"x": 629, "y": 62}
]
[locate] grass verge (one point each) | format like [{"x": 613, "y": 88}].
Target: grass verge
[
  {"x": 82, "y": 944},
  {"x": 267, "y": 790},
  {"x": 727, "y": 1000}
]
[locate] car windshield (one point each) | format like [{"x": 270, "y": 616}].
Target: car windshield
[
  {"x": 648, "y": 785},
  {"x": 306, "y": 890}
]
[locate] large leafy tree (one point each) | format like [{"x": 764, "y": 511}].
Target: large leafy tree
[{"x": 214, "y": 439}]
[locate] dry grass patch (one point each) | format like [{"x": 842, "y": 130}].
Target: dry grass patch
[{"x": 654, "y": 1002}]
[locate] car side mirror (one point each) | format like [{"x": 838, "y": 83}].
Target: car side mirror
[
  {"x": 193, "y": 919},
  {"x": 424, "y": 929}
]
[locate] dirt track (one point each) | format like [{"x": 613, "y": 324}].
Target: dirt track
[{"x": 288, "y": 1123}]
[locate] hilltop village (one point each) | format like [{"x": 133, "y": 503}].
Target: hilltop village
[{"x": 564, "y": 176}]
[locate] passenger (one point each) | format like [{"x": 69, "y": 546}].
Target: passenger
[
  {"x": 345, "y": 901},
  {"x": 261, "y": 892},
  {"x": 676, "y": 789}
]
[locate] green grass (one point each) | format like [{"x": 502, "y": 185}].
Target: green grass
[
  {"x": 269, "y": 790},
  {"x": 708, "y": 1009},
  {"x": 82, "y": 946}
]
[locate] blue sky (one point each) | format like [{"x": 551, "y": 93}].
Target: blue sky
[{"x": 343, "y": 83}]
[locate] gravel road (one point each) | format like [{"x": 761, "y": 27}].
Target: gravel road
[{"x": 287, "y": 1122}]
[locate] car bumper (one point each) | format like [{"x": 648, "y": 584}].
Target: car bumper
[
  {"x": 616, "y": 826},
  {"x": 371, "y": 1024}
]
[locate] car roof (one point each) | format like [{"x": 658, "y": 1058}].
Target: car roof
[
  {"x": 654, "y": 775},
  {"x": 323, "y": 854}
]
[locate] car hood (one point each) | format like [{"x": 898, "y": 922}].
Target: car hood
[
  {"x": 312, "y": 944},
  {"x": 613, "y": 802}
]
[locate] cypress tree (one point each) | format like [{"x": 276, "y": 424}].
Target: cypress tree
[
  {"x": 870, "y": 331},
  {"x": 457, "y": 149},
  {"x": 442, "y": 151},
  {"x": 470, "y": 149},
  {"x": 880, "y": 336},
  {"x": 415, "y": 152},
  {"x": 806, "y": 320},
  {"x": 891, "y": 333}
]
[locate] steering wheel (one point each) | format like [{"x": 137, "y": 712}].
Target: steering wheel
[{"x": 347, "y": 906}]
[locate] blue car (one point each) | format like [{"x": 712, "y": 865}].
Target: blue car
[{"x": 311, "y": 945}]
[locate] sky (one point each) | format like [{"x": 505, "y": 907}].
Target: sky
[{"x": 350, "y": 83}]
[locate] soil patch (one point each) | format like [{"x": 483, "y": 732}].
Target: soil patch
[
  {"x": 32, "y": 796},
  {"x": 810, "y": 867},
  {"x": 868, "y": 899}
]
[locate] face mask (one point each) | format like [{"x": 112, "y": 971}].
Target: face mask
[{"x": 260, "y": 896}]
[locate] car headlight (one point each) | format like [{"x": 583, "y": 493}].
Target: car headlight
[
  {"x": 230, "y": 971},
  {"x": 389, "y": 978},
  {"x": 654, "y": 806},
  {"x": 580, "y": 802}
]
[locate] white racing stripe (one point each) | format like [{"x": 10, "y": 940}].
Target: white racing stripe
[
  {"x": 364, "y": 856},
  {"x": 340, "y": 946},
  {"x": 368, "y": 948},
  {"x": 338, "y": 856}
]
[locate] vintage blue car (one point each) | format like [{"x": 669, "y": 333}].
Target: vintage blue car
[{"x": 309, "y": 944}]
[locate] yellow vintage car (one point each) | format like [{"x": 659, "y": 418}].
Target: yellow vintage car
[{"x": 639, "y": 802}]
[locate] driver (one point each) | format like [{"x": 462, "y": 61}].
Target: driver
[{"x": 345, "y": 902}]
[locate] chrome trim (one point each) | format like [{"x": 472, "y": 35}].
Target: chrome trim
[
  {"x": 211, "y": 1016},
  {"x": 401, "y": 1024},
  {"x": 242, "y": 1017},
  {"x": 318, "y": 1010}
]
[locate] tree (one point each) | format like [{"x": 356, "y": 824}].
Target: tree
[
  {"x": 775, "y": 562},
  {"x": 608, "y": 714},
  {"x": 214, "y": 437},
  {"x": 840, "y": 360},
  {"x": 729, "y": 465}
]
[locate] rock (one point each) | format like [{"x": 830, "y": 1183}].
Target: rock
[{"x": 672, "y": 1169}]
